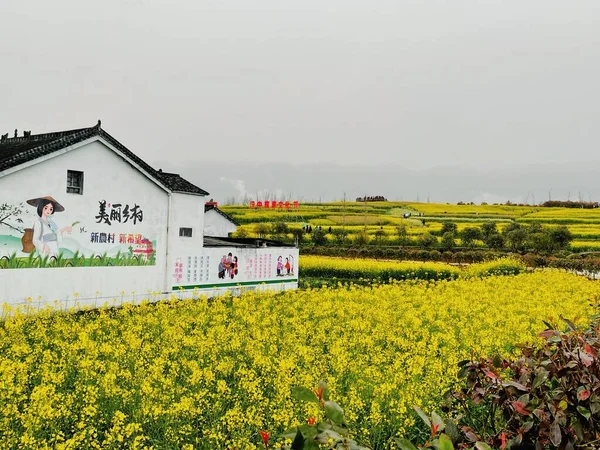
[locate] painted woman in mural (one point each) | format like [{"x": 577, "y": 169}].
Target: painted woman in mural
[
  {"x": 47, "y": 237},
  {"x": 234, "y": 267},
  {"x": 287, "y": 265}
]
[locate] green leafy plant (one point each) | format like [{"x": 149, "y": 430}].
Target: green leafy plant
[
  {"x": 439, "y": 439},
  {"x": 330, "y": 431}
]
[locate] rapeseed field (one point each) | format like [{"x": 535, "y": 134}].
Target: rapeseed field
[{"x": 200, "y": 374}]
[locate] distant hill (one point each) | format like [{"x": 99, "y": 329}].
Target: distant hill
[{"x": 328, "y": 182}]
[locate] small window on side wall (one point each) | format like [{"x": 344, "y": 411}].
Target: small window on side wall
[
  {"x": 185, "y": 232},
  {"x": 74, "y": 182}
]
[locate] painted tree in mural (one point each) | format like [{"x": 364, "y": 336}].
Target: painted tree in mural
[{"x": 9, "y": 216}]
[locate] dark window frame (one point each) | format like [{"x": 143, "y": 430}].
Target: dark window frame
[
  {"x": 75, "y": 182},
  {"x": 185, "y": 232}
]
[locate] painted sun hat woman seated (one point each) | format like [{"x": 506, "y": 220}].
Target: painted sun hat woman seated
[{"x": 47, "y": 237}]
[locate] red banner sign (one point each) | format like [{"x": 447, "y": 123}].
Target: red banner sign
[{"x": 273, "y": 204}]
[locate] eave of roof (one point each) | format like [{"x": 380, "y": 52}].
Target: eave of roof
[
  {"x": 211, "y": 241},
  {"x": 179, "y": 184},
  {"x": 227, "y": 216}
]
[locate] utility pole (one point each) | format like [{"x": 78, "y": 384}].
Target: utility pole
[
  {"x": 344, "y": 217},
  {"x": 365, "y": 216}
]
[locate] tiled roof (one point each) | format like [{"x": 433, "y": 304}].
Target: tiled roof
[
  {"x": 227, "y": 216},
  {"x": 210, "y": 241},
  {"x": 19, "y": 150},
  {"x": 178, "y": 184},
  {"x": 23, "y": 149}
]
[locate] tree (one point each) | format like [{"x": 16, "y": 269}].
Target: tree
[
  {"x": 469, "y": 235},
  {"x": 9, "y": 216},
  {"x": 262, "y": 229},
  {"x": 447, "y": 242},
  {"x": 362, "y": 238},
  {"x": 560, "y": 236},
  {"x": 548, "y": 240},
  {"x": 488, "y": 229},
  {"x": 515, "y": 238},
  {"x": 279, "y": 228},
  {"x": 380, "y": 236},
  {"x": 535, "y": 228},
  {"x": 339, "y": 235},
  {"x": 298, "y": 234},
  {"x": 449, "y": 227},
  {"x": 241, "y": 232},
  {"x": 539, "y": 241},
  {"x": 318, "y": 237},
  {"x": 427, "y": 240},
  {"x": 512, "y": 226},
  {"x": 491, "y": 236},
  {"x": 495, "y": 241},
  {"x": 402, "y": 234}
]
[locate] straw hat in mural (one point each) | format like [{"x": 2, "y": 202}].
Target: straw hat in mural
[{"x": 57, "y": 206}]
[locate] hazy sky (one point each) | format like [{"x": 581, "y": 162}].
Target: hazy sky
[{"x": 420, "y": 83}]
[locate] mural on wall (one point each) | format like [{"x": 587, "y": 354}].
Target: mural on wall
[
  {"x": 285, "y": 267},
  {"x": 229, "y": 266},
  {"x": 41, "y": 235}
]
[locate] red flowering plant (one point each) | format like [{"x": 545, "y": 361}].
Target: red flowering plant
[
  {"x": 265, "y": 438},
  {"x": 331, "y": 430}
]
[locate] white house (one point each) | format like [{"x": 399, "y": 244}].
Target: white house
[
  {"x": 218, "y": 223},
  {"x": 84, "y": 221}
]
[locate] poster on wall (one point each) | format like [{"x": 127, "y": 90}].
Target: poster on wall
[
  {"x": 229, "y": 266},
  {"x": 41, "y": 232}
]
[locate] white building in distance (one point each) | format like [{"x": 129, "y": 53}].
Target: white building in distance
[{"x": 218, "y": 223}]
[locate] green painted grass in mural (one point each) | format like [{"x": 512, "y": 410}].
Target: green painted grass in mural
[
  {"x": 34, "y": 261},
  {"x": 236, "y": 284}
]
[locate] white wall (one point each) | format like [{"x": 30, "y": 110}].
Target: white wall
[
  {"x": 186, "y": 211},
  {"x": 106, "y": 177},
  {"x": 216, "y": 225}
]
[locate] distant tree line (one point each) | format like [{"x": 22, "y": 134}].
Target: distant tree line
[
  {"x": 515, "y": 237},
  {"x": 376, "y": 198},
  {"x": 570, "y": 204},
  {"x": 546, "y": 204}
]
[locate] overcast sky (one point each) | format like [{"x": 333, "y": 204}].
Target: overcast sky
[{"x": 420, "y": 83}]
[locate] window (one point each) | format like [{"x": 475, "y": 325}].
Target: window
[
  {"x": 74, "y": 182},
  {"x": 185, "y": 232}
]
